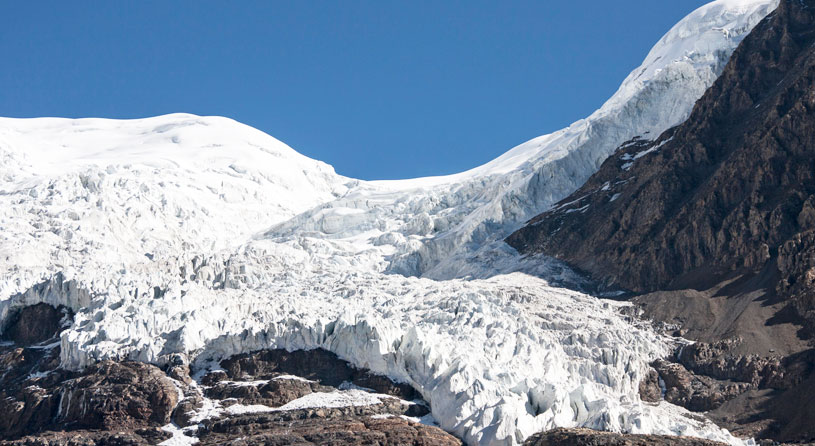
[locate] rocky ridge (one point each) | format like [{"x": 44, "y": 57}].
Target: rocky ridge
[
  {"x": 711, "y": 225},
  {"x": 730, "y": 191}
]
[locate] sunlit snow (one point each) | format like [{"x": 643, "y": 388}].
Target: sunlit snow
[{"x": 202, "y": 236}]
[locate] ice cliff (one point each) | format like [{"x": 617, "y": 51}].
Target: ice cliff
[{"x": 205, "y": 237}]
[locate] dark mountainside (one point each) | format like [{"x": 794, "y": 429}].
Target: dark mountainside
[{"x": 713, "y": 225}]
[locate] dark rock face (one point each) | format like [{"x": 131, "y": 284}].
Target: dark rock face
[
  {"x": 696, "y": 392},
  {"x": 139, "y": 437},
  {"x": 112, "y": 395},
  {"x": 26, "y": 406},
  {"x": 650, "y": 390},
  {"x": 30, "y": 371},
  {"x": 36, "y": 395},
  {"x": 128, "y": 403},
  {"x": 273, "y": 393},
  {"x": 587, "y": 437},
  {"x": 714, "y": 224},
  {"x": 34, "y": 324},
  {"x": 780, "y": 394},
  {"x": 275, "y": 377},
  {"x": 317, "y": 365},
  {"x": 752, "y": 396},
  {"x": 314, "y": 365},
  {"x": 313, "y": 431},
  {"x": 730, "y": 191},
  {"x": 715, "y": 360},
  {"x": 796, "y": 265}
]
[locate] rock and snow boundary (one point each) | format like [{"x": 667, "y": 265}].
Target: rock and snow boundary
[{"x": 205, "y": 237}]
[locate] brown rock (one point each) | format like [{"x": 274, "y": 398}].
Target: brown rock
[
  {"x": 112, "y": 395},
  {"x": 34, "y": 324},
  {"x": 717, "y": 360},
  {"x": 650, "y": 391},
  {"x": 796, "y": 264},
  {"x": 729, "y": 193},
  {"x": 140, "y": 437},
  {"x": 588, "y": 437},
  {"x": 274, "y": 393},
  {"x": 185, "y": 410},
  {"x": 359, "y": 430},
  {"x": 29, "y": 375},
  {"x": 126, "y": 403},
  {"x": 317, "y": 365},
  {"x": 695, "y": 392},
  {"x": 717, "y": 225}
]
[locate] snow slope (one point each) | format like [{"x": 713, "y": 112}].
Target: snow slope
[
  {"x": 458, "y": 215},
  {"x": 204, "y": 237},
  {"x": 97, "y": 194}
]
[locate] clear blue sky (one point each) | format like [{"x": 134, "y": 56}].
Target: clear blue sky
[{"x": 379, "y": 89}]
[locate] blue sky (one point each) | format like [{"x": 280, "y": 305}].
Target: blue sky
[{"x": 379, "y": 89}]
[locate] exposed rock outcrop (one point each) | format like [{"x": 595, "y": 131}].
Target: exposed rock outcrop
[
  {"x": 273, "y": 393},
  {"x": 36, "y": 395},
  {"x": 28, "y": 369},
  {"x": 324, "y": 430},
  {"x": 117, "y": 395},
  {"x": 132, "y": 403},
  {"x": 717, "y": 360},
  {"x": 650, "y": 389},
  {"x": 730, "y": 191},
  {"x": 35, "y": 324},
  {"x": 752, "y": 396},
  {"x": 138, "y": 437},
  {"x": 713, "y": 223},
  {"x": 696, "y": 392},
  {"x": 588, "y": 437},
  {"x": 796, "y": 265},
  {"x": 317, "y": 365}
]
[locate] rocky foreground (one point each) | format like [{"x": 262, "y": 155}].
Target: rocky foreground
[{"x": 271, "y": 397}]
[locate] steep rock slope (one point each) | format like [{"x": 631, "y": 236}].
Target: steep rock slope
[
  {"x": 730, "y": 190},
  {"x": 442, "y": 227},
  {"x": 715, "y": 218}
]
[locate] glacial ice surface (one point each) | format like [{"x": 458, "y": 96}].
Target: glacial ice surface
[{"x": 201, "y": 236}]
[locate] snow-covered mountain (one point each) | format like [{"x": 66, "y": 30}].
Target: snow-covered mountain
[
  {"x": 459, "y": 215},
  {"x": 103, "y": 194},
  {"x": 204, "y": 237}
]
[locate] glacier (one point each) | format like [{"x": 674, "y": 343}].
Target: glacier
[{"x": 203, "y": 237}]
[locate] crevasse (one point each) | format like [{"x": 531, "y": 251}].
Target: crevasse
[{"x": 205, "y": 237}]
